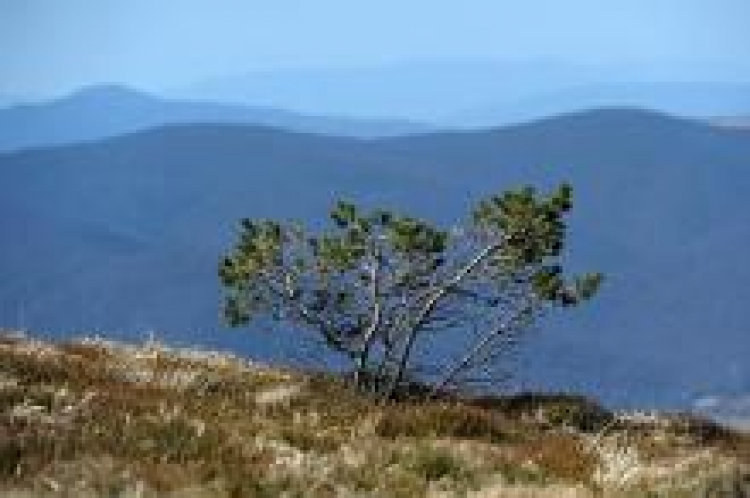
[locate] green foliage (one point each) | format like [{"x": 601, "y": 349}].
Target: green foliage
[
  {"x": 578, "y": 413},
  {"x": 563, "y": 410},
  {"x": 532, "y": 227},
  {"x": 443, "y": 421},
  {"x": 377, "y": 282},
  {"x": 11, "y": 454},
  {"x": 435, "y": 464}
]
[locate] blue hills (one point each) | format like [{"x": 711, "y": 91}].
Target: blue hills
[
  {"x": 108, "y": 110},
  {"x": 123, "y": 234},
  {"x": 696, "y": 100},
  {"x": 471, "y": 93}
]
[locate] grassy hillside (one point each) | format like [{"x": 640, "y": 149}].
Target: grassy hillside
[{"x": 94, "y": 418}]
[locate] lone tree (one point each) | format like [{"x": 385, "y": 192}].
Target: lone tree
[{"x": 378, "y": 287}]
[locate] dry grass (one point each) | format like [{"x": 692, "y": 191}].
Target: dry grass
[{"x": 94, "y": 418}]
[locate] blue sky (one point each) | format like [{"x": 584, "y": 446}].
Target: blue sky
[{"x": 51, "y": 46}]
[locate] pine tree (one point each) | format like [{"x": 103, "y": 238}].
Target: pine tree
[{"x": 378, "y": 285}]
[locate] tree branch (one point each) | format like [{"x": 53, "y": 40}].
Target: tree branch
[
  {"x": 467, "y": 359},
  {"x": 287, "y": 294},
  {"x": 374, "y": 324},
  {"x": 429, "y": 306}
]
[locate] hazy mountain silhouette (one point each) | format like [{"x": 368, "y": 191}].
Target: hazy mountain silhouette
[
  {"x": 734, "y": 121},
  {"x": 679, "y": 98},
  {"x": 105, "y": 111},
  {"x": 480, "y": 93},
  {"x": 123, "y": 235},
  {"x": 419, "y": 90},
  {"x": 6, "y": 99}
]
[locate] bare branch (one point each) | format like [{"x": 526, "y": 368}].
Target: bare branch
[{"x": 429, "y": 306}]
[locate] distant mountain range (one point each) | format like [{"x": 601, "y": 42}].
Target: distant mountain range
[
  {"x": 421, "y": 90},
  {"x": 738, "y": 121},
  {"x": 6, "y": 100},
  {"x": 106, "y": 111},
  {"x": 480, "y": 93},
  {"x": 123, "y": 234},
  {"x": 697, "y": 100}
]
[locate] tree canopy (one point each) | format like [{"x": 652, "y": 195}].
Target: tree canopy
[{"x": 376, "y": 286}]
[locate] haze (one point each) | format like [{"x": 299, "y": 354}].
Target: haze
[{"x": 51, "y": 47}]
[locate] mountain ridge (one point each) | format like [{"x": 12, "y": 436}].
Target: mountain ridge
[
  {"x": 103, "y": 111},
  {"x": 697, "y": 100},
  {"x": 656, "y": 209},
  {"x": 472, "y": 93}
]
